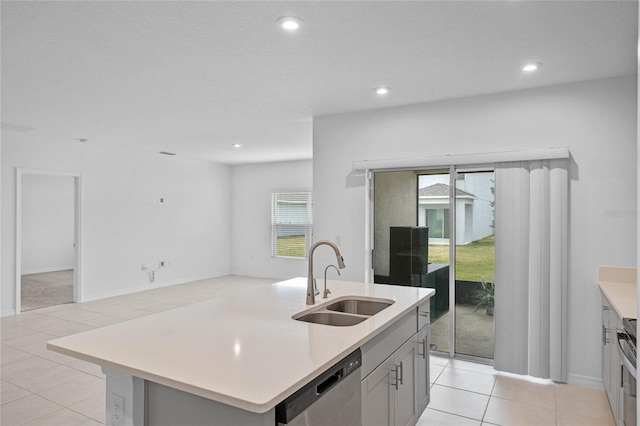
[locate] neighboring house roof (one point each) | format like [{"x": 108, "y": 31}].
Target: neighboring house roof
[{"x": 441, "y": 190}]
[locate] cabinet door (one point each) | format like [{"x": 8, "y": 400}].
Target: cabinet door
[
  {"x": 617, "y": 392},
  {"x": 406, "y": 392},
  {"x": 378, "y": 395},
  {"x": 611, "y": 363},
  {"x": 422, "y": 378}
]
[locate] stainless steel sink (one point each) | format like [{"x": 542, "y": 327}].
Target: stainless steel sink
[
  {"x": 344, "y": 312},
  {"x": 331, "y": 318},
  {"x": 360, "y": 307}
]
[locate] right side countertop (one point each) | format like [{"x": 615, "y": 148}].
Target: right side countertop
[{"x": 619, "y": 285}]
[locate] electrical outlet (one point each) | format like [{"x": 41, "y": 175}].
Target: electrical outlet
[
  {"x": 163, "y": 263},
  {"x": 117, "y": 410},
  {"x": 161, "y": 200}
]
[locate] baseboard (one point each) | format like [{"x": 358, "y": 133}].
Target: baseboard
[
  {"x": 591, "y": 382},
  {"x": 45, "y": 270},
  {"x": 259, "y": 275},
  {"x": 145, "y": 287},
  {"x": 7, "y": 313}
]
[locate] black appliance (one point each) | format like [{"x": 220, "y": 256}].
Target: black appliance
[
  {"x": 628, "y": 356},
  {"x": 408, "y": 255}
]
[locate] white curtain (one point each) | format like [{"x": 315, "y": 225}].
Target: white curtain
[{"x": 531, "y": 217}]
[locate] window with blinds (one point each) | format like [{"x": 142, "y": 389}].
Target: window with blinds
[{"x": 291, "y": 224}]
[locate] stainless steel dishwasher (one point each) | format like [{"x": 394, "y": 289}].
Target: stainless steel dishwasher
[{"x": 332, "y": 398}]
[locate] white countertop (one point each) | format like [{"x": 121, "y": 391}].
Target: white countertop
[
  {"x": 244, "y": 349},
  {"x": 619, "y": 285}
]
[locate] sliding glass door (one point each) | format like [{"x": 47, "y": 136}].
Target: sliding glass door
[
  {"x": 434, "y": 228},
  {"x": 474, "y": 263},
  {"x": 434, "y": 212}
]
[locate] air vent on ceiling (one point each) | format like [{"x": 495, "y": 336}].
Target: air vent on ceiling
[
  {"x": 167, "y": 153},
  {"x": 16, "y": 127}
]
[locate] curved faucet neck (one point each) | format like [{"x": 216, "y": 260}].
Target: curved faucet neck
[{"x": 311, "y": 299}]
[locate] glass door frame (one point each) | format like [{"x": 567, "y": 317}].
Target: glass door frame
[{"x": 370, "y": 229}]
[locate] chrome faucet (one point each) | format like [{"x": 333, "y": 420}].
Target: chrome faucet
[
  {"x": 311, "y": 297},
  {"x": 327, "y": 292}
]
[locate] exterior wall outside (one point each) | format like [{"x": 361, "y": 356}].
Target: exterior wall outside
[
  {"x": 395, "y": 202},
  {"x": 596, "y": 120},
  {"x": 479, "y": 184},
  {"x": 474, "y": 214}
]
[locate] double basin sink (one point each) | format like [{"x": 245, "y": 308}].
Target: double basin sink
[{"x": 345, "y": 311}]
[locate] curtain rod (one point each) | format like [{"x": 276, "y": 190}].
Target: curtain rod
[{"x": 464, "y": 159}]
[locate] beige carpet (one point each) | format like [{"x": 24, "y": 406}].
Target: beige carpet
[{"x": 46, "y": 289}]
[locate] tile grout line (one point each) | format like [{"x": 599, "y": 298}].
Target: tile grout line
[
  {"x": 495, "y": 382},
  {"x": 452, "y": 414}
]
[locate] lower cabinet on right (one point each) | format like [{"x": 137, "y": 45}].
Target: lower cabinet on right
[
  {"x": 612, "y": 376},
  {"x": 424, "y": 381},
  {"x": 397, "y": 391}
]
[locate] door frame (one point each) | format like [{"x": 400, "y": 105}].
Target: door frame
[
  {"x": 77, "y": 267},
  {"x": 452, "y": 170}
]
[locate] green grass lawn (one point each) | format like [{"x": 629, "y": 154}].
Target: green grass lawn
[
  {"x": 290, "y": 246},
  {"x": 474, "y": 261}
]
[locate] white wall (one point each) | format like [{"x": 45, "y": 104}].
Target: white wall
[
  {"x": 123, "y": 224},
  {"x": 252, "y": 186},
  {"x": 47, "y": 223},
  {"x": 596, "y": 120}
]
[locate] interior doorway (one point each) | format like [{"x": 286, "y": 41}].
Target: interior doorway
[{"x": 47, "y": 238}]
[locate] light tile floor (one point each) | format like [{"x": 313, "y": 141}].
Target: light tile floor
[
  {"x": 466, "y": 393},
  {"x": 40, "y": 387}
]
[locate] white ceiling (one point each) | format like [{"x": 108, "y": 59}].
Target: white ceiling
[{"x": 195, "y": 77}]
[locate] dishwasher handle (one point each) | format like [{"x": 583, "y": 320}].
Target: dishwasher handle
[{"x": 329, "y": 382}]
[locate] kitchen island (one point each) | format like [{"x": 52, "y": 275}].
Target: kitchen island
[{"x": 238, "y": 356}]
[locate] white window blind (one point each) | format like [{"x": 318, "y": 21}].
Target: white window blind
[{"x": 291, "y": 224}]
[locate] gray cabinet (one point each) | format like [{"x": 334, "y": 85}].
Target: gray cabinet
[
  {"x": 423, "y": 345},
  {"x": 377, "y": 395},
  {"x": 395, "y": 391},
  {"x": 406, "y": 409},
  {"x": 389, "y": 393},
  {"x": 611, "y": 363}
]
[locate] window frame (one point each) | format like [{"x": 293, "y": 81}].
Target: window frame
[{"x": 305, "y": 196}]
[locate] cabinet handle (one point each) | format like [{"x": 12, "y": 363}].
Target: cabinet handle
[
  {"x": 604, "y": 335},
  {"x": 401, "y": 373},
  {"x": 424, "y": 348},
  {"x": 622, "y": 376},
  {"x": 423, "y": 314},
  {"x": 397, "y": 367},
  {"x": 605, "y": 308}
]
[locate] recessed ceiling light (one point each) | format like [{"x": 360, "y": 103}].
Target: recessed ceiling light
[
  {"x": 532, "y": 66},
  {"x": 289, "y": 23},
  {"x": 237, "y": 145},
  {"x": 382, "y": 90}
]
